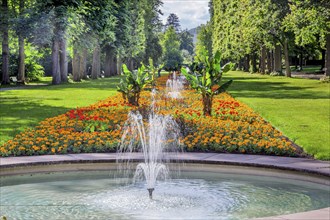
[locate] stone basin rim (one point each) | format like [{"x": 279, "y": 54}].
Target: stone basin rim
[{"x": 301, "y": 166}]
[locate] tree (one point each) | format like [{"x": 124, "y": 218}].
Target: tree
[
  {"x": 137, "y": 36},
  {"x": 309, "y": 20},
  {"x": 153, "y": 26},
  {"x": 5, "y": 42},
  {"x": 133, "y": 83},
  {"x": 173, "y": 20},
  {"x": 243, "y": 30},
  {"x": 186, "y": 41},
  {"x": 206, "y": 78},
  {"x": 171, "y": 49},
  {"x": 59, "y": 11},
  {"x": 21, "y": 31},
  {"x": 204, "y": 39}
]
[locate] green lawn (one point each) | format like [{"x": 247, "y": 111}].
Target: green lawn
[
  {"x": 300, "y": 108},
  {"x": 22, "y": 108}
]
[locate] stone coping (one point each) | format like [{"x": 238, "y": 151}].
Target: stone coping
[
  {"x": 302, "y": 165},
  {"x": 284, "y": 163}
]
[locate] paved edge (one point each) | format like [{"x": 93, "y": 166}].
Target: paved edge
[{"x": 301, "y": 165}]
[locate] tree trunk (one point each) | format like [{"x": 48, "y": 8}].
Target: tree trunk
[
  {"x": 63, "y": 61},
  {"x": 254, "y": 63},
  {"x": 119, "y": 64},
  {"x": 130, "y": 64},
  {"x": 21, "y": 61},
  {"x": 269, "y": 62},
  {"x": 56, "y": 62},
  {"x": 247, "y": 63},
  {"x": 273, "y": 61},
  {"x": 133, "y": 99},
  {"x": 110, "y": 68},
  {"x": 301, "y": 61},
  {"x": 76, "y": 66},
  {"x": 327, "y": 56},
  {"x": 278, "y": 59},
  {"x": 83, "y": 64},
  {"x": 113, "y": 66},
  {"x": 239, "y": 64},
  {"x": 207, "y": 105},
  {"x": 5, "y": 44},
  {"x": 96, "y": 62},
  {"x": 21, "y": 55},
  {"x": 323, "y": 59},
  {"x": 107, "y": 63},
  {"x": 286, "y": 57},
  {"x": 263, "y": 60}
]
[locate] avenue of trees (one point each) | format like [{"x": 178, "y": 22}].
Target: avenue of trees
[
  {"x": 257, "y": 35},
  {"x": 56, "y": 36},
  {"x": 86, "y": 38},
  {"x": 89, "y": 38}
]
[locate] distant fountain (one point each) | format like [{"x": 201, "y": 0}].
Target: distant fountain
[
  {"x": 154, "y": 138},
  {"x": 173, "y": 87}
]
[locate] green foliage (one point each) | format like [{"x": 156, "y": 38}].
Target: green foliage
[
  {"x": 133, "y": 83},
  {"x": 34, "y": 70},
  {"x": 206, "y": 74},
  {"x": 204, "y": 39},
  {"x": 173, "y": 21},
  {"x": 172, "y": 56},
  {"x": 152, "y": 70},
  {"x": 95, "y": 125},
  {"x": 309, "y": 21},
  {"x": 186, "y": 41}
]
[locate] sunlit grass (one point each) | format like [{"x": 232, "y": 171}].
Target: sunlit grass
[
  {"x": 23, "y": 108},
  {"x": 300, "y": 108}
]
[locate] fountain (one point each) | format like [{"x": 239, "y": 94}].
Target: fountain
[
  {"x": 155, "y": 140},
  {"x": 201, "y": 191},
  {"x": 173, "y": 87}
]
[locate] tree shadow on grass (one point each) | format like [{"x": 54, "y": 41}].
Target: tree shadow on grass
[
  {"x": 275, "y": 90},
  {"x": 17, "y": 114}
]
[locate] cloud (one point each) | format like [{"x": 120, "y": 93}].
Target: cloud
[{"x": 191, "y": 13}]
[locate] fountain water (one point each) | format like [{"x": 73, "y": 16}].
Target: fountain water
[
  {"x": 155, "y": 140},
  {"x": 174, "y": 86}
]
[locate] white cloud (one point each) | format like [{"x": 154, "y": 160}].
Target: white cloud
[{"x": 191, "y": 13}]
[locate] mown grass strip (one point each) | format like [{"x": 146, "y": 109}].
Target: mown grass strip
[{"x": 300, "y": 108}]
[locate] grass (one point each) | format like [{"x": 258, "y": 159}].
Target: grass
[
  {"x": 300, "y": 108},
  {"x": 308, "y": 69},
  {"x": 23, "y": 108}
]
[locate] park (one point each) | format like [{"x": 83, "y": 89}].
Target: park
[{"x": 145, "y": 110}]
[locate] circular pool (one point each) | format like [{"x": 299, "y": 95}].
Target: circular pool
[{"x": 197, "y": 192}]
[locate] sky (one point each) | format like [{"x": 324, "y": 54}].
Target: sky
[{"x": 191, "y": 13}]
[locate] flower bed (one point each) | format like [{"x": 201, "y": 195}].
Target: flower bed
[{"x": 234, "y": 128}]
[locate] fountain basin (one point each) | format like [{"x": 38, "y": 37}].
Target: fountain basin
[{"x": 187, "y": 189}]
